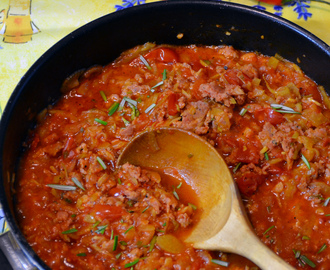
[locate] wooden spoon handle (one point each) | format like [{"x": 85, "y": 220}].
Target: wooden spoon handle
[
  {"x": 238, "y": 237},
  {"x": 258, "y": 253},
  {"x": 252, "y": 247}
]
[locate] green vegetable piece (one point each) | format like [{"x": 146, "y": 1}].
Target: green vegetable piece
[
  {"x": 103, "y": 96},
  {"x": 100, "y": 121},
  {"x": 304, "y": 159},
  {"x": 145, "y": 62},
  {"x": 219, "y": 262},
  {"x": 324, "y": 246},
  {"x": 115, "y": 244},
  {"x": 130, "y": 228},
  {"x": 127, "y": 265},
  {"x": 100, "y": 161},
  {"x": 62, "y": 187},
  {"x": 271, "y": 227},
  {"x": 73, "y": 230},
  {"x": 307, "y": 261},
  {"x": 113, "y": 108},
  {"x": 101, "y": 229},
  {"x": 77, "y": 182}
]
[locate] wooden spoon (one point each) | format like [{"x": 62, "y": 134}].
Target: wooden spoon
[{"x": 223, "y": 225}]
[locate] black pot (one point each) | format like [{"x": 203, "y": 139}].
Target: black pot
[{"x": 101, "y": 41}]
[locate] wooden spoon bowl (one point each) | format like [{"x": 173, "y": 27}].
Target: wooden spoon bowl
[{"x": 223, "y": 224}]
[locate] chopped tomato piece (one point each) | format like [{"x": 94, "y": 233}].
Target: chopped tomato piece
[
  {"x": 269, "y": 115},
  {"x": 236, "y": 77},
  {"x": 276, "y": 169},
  {"x": 311, "y": 90},
  {"x": 109, "y": 212},
  {"x": 231, "y": 77},
  {"x": 250, "y": 155},
  {"x": 246, "y": 152},
  {"x": 172, "y": 104},
  {"x": 115, "y": 191},
  {"x": 164, "y": 55}
]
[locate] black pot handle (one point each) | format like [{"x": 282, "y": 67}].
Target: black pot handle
[{"x": 14, "y": 253}]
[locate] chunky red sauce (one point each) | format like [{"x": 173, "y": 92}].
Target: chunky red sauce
[{"x": 265, "y": 117}]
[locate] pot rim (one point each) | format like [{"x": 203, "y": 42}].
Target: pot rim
[{"x": 65, "y": 41}]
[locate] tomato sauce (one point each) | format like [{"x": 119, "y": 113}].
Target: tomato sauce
[{"x": 267, "y": 119}]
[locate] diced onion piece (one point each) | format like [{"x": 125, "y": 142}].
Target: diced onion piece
[
  {"x": 188, "y": 95},
  {"x": 170, "y": 243},
  {"x": 295, "y": 135},
  {"x": 102, "y": 179},
  {"x": 325, "y": 96},
  {"x": 89, "y": 219},
  {"x": 264, "y": 150},
  {"x": 273, "y": 62},
  {"x": 205, "y": 63},
  {"x": 314, "y": 101},
  {"x": 275, "y": 160},
  {"x": 279, "y": 57},
  {"x": 256, "y": 81}
]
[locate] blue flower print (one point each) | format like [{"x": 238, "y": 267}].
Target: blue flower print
[
  {"x": 259, "y": 7},
  {"x": 129, "y": 3},
  {"x": 302, "y": 9},
  {"x": 278, "y": 10}
]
